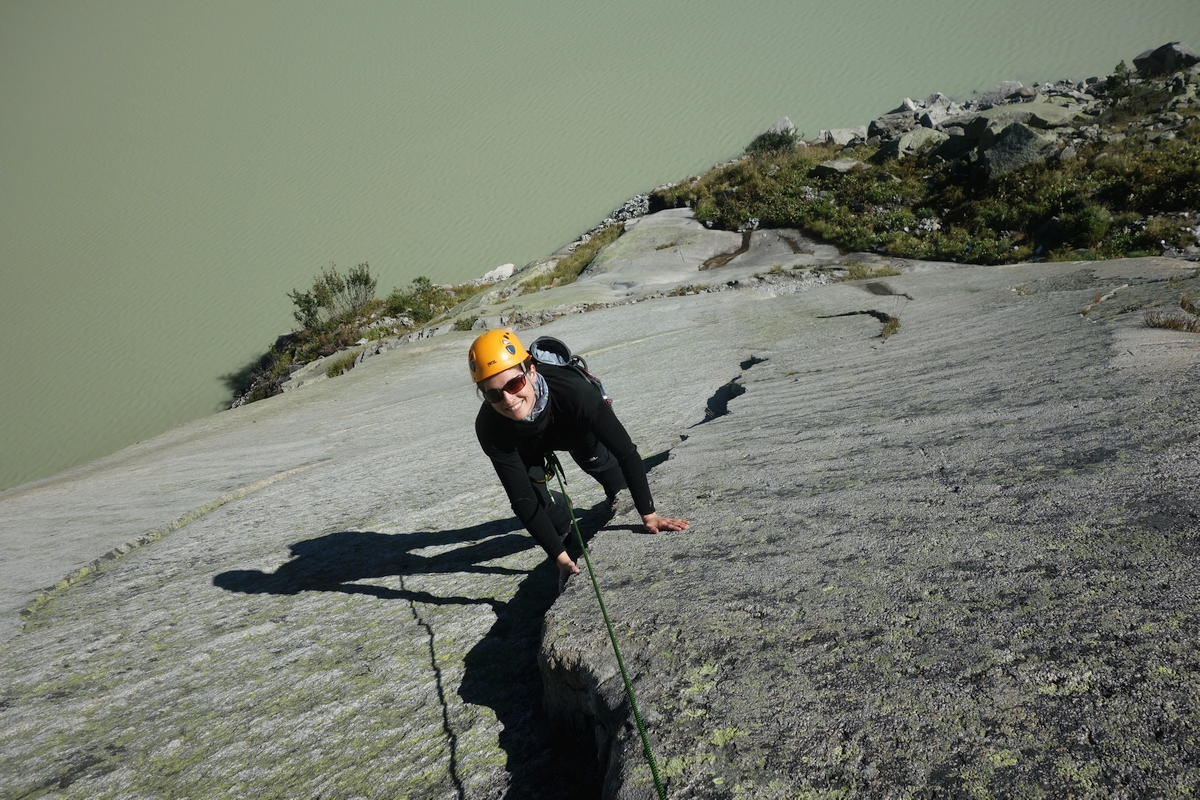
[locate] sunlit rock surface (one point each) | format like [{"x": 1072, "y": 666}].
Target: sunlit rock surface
[{"x": 961, "y": 561}]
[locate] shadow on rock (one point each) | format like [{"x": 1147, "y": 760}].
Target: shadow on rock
[
  {"x": 333, "y": 562},
  {"x": 500, "y": 671}
]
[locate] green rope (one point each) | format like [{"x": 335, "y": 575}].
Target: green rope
[{"x": 662, "y": 794}]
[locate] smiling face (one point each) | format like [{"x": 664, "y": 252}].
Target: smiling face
[{"x": 515, "y": 405}]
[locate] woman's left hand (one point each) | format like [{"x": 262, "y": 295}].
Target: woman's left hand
[{"x": 654, "y": 523}]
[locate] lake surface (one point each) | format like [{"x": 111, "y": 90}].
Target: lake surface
[{"x": 169, "y": 171}]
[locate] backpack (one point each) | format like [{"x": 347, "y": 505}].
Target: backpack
[{"x": 548, "y": 350}]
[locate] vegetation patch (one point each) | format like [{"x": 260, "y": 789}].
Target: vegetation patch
[
  {"x": 1129, "y": 187},
  {"x": 342, "y": 364},
  {"x": 568, "y": 268},
  {"x": 860, "y": 272},
  {"x": 1175, "y": 322},
  {"x": 336, "y": 313}
]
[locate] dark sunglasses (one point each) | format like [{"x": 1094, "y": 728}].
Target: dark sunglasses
[{"x": 512, "y": 387}]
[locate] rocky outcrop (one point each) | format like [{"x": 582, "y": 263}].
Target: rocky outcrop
[
  {"x": 1171, "y": 57},
  {"x": 1062, "y": 111}
]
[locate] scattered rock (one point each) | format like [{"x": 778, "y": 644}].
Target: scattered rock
[{"x": 839, "y": 166}]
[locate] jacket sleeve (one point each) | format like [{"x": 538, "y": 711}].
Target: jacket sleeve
[
  {"x": 514, "y": 477},
  {"x": 602, "y": 421}
]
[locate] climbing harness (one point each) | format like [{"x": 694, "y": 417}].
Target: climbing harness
[{"x": 553, "y": 462}]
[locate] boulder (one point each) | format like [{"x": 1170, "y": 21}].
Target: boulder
[
  {"x": 843, "y": 136},
  {"x": 840, "y": 166},
  {"x": 988, "y": 123},
  {"x": 937, "y": 109},
  {"x": 1171, "y": 57},
  {"x": 953, "y": 146},
  {"x": 1016, "y": 146},
  {"x": 998, "y": 94},
  {"x": 915, "y": 141},
  {"x": 500, "y": 273},
  {"x": 783, "y": 125},
  {"x": 889, "y": 126}
]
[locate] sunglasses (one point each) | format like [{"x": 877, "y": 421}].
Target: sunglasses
[{"x": 512, "y": 387}]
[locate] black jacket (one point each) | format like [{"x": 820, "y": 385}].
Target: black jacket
[{"x": 576, "y": 408}]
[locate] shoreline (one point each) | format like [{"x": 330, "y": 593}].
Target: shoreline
[{"x": 995, "y": 134}]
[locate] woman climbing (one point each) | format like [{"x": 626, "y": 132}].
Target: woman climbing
[{"x": 529, "y": 411}]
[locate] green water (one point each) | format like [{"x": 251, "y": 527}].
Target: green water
[{"x": 168, "y": 171}]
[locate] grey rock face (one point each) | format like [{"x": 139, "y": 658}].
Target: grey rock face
[
  {"x": 1168, "y": 58},
  {"x": 846, "y": 623},
  {"x": 331, "y": 597}
]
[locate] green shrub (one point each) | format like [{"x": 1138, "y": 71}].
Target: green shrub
[
  {"x": 771, "y": 142},
  {"x": 336, "y": 295},
  {"x": 422, "y": 300},
  {"x": 1118, "y": 83}
]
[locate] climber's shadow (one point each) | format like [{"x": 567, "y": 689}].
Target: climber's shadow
[
  {"x": 335, "y": 561},
  {"x": 501, "y": 670}
]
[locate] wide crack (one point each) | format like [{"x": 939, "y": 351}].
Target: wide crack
[
  {"x": 718, "y": 404},
  {"x": 890, "y": 324}
]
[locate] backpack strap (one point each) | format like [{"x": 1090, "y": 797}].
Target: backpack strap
[{"x": 548, "y": 350}]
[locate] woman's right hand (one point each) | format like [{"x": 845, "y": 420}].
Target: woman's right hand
[{"x": 566, "y": 568}]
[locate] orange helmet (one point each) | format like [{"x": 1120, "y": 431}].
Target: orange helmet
[{"x": 494, "y": 352}]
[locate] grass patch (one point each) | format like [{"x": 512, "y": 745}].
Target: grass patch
[
  {"x": 1175, "y": 322},
  {"x": 568, "y": 268},
  {"x": 859, "y": 272},
  {"x": 342, "y": 364},
  {"x": 666, "y": 246},
  {"x": 889, "y": 327}
]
